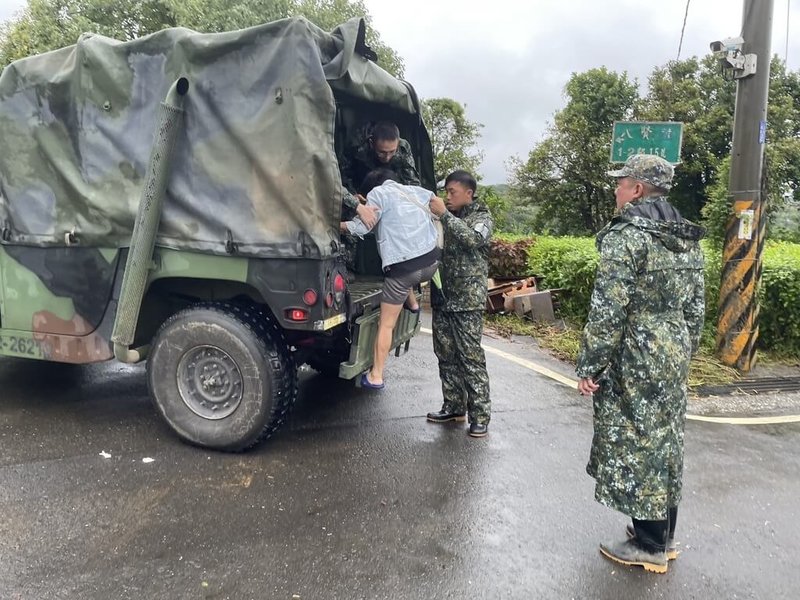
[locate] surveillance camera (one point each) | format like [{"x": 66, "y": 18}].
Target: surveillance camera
[
  {"x": 727, "y": 45},
  {"x": 728, "y": 52}
]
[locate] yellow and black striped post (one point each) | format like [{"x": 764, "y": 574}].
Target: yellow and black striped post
[
  {"x": 737, "y": 330},
  {"x": 741, "y": 279}
]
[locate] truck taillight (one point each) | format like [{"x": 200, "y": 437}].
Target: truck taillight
[
  {"x": 310, "y": 297},
  {"x": 338, "y": 284},
  {"x": 298, "y": 315}
]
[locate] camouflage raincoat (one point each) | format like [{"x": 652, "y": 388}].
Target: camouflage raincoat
[{"x": 645, "y": 321}]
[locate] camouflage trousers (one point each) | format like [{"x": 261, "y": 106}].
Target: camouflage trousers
[{"x": 462, "y": 363}]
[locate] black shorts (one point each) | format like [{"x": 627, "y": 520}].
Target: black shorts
[{"x": 397, "y": 287}]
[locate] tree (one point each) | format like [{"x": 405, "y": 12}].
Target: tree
[
  {"x": 327, "y": 14},
  {"x": 718, "y": 209},
  {"x": 498, "y": 206},
  {"x": 694, "y": 92},
  {"x": 214, "y": 16},
  {"x": 45, "y": 25},
  {"x": 453, "y": 137},
  {"x": 564, "y": 174}
]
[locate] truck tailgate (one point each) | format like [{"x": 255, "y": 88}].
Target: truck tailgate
[{"x": 365, "y": 298}]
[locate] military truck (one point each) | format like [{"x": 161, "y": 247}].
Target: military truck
[{"x": 176, "y": 199}]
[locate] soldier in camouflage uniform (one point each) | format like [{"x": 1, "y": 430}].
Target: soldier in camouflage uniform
[
  {"x": 380, "y": 147},
  {"x": 376, "y": 147},
  {"x": 459, "y": 303},
  {"x": 644, "y": 324}
]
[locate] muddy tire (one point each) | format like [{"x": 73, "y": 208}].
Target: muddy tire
[{"x": 221, "y": 375}]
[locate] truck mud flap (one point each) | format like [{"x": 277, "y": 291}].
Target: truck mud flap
[{"x": 365, "y": 329}]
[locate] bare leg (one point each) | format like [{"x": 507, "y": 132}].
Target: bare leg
[
  {"x": 411, "y": 301},
  {"x": 388, "y": 319}
]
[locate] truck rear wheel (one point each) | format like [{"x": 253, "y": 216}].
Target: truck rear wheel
[{"x": 221, "y": 375}]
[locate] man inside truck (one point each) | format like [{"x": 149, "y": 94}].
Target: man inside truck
[
  {"x": 407, "y": 244},
  {"x": 378, "y": 147},
  {"x": 374, "y": 146}
]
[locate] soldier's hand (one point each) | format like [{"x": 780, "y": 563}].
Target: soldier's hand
[
  {"x": 367, "y": 214},
  {"x": 437, "y": 206},
  {"x": 587, "y": 386},
  {"x": 361, "y": 198}
]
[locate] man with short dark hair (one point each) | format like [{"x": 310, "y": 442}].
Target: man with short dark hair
[
  {"x": 645, "y": 321},
  {"x": 458, "y": 305},
  {"x": 377, "y": 146},
  {"x": 381, "y": 147}
]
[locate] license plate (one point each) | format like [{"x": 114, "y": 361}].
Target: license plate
[{"x": 333, "y": 321}]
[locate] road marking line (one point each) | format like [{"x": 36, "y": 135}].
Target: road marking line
[
  {"x": 533, "y": 367},
  {"x": 525, "y": 363},
  {"x": 747, "y": 420},
  {"x": 573, "y": 383}
]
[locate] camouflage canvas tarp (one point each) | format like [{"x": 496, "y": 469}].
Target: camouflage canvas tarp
[{"x": 254, "y": 161}]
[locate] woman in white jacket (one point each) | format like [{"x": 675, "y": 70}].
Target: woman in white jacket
[{"x": 407, "y": 243}]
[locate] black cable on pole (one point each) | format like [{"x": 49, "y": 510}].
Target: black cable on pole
[
  {"x": 788, "y": 15},
  {"x": 680, "y": 44}
]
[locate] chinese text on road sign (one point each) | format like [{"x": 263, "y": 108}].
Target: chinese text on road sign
[{"x": 641, "y": 137}]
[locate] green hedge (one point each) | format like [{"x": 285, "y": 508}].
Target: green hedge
[
  {"x": 779, "y": 325},
  {"x": 570, "y": 263}
]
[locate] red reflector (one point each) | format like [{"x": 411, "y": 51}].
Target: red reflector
[
  {"x": 297, "y": 314},
  {"x": 329, "y": 300},
  {"x": 310, "y": 297},
  {"x": 338, "y": 283}
]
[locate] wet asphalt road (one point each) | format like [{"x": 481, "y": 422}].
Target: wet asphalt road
[{"x": 358, "y": 497}]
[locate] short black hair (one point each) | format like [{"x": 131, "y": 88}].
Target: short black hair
[
  {"x": 375, "y": 178},
  {"x": 385, "y": 131},
  {"x": 464, "y": 178}
]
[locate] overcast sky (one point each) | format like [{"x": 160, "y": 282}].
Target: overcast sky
[{"x": 508, "y": 60}]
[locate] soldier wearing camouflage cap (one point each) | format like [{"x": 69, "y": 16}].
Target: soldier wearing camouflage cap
[
  {"x": 458, "y": 302},
  {"x": 647, "y": 168},
  {"x": 644, "y": 323}
]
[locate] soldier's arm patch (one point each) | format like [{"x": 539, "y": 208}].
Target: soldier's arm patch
[{"x": 483, "y": 230}]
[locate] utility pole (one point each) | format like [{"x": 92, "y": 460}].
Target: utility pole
[{"x": 748, "y": 59}]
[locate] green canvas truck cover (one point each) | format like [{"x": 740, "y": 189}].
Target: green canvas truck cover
[{"x": 254, "y": 162}]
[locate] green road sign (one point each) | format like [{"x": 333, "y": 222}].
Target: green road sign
[{"x": 662, "y": 138}]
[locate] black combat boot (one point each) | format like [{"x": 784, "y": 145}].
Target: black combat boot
[
  {"x": 672, "y": 515},
  {"x": 443, "y": 416},
  {"x": 672, "y": 545},
  {"x": 647, "y": 549},
  {"x": 479, "y": 429}
]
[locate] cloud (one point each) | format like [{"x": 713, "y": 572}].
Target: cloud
[
  {"x": 508, "y": 61},
  {"x": 8, "y": 8}
]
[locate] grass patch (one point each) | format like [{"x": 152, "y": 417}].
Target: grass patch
[
  {"x": 705, "y": 369},
  {"x": 563, "y": 342}
]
